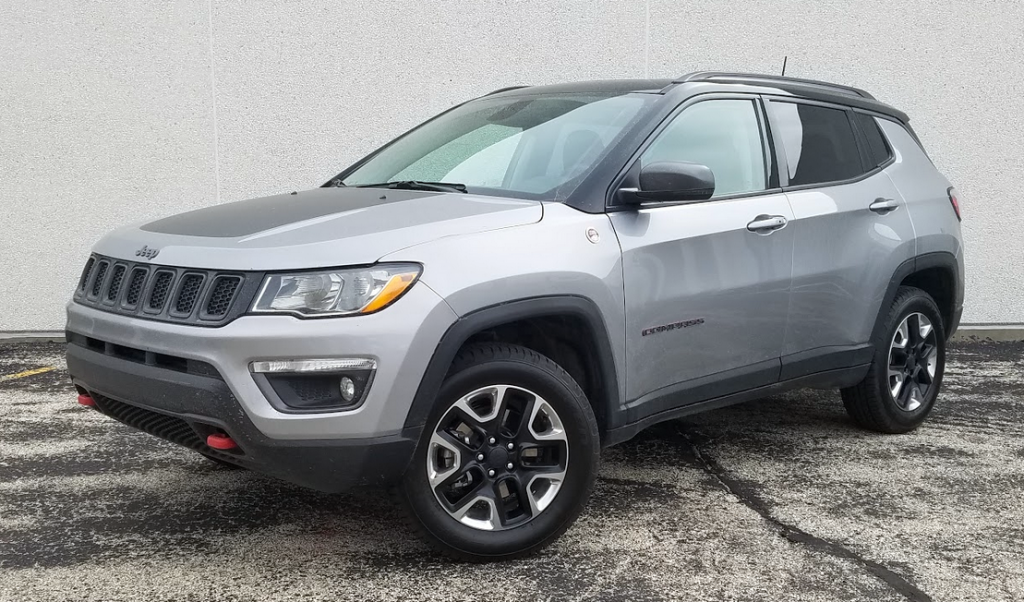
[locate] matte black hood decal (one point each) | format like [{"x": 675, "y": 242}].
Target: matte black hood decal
[{"x": 242, "y": 218}]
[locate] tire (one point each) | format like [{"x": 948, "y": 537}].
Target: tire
[
  {"x": 554, "y": 454},
  {"x": 872, "y": 403}
]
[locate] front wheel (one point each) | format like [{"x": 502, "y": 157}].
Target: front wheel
[
  {"x": 904, "y": 379},
  {"x": 508, "y": 458}
]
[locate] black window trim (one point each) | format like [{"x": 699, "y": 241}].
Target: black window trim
[
  {"x": 771, "y": 154},
  {"x": 783, "y": 160}
]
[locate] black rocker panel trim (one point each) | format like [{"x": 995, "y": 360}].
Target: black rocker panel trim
[
  {"x": 821, "y": 359},
  {"x": 842, "y": 377},
  {"x": 699, "y": 389}
]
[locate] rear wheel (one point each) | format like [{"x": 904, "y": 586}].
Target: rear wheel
[
  {"x": 903, "y": 382},
  {"x": 508, "y": 458}
]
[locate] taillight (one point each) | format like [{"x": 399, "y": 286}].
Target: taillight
[{"x": 954, "y": 202}]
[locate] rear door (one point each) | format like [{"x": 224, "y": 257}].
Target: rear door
[
  {"x": 851, "y": 231},
  {"x": 707, "y": 283}
]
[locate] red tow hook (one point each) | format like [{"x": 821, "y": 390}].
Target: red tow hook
[
  {"x": 221, "y": 441},
  {"x": 85, "y": 400}
]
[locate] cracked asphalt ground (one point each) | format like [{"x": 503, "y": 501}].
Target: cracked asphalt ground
[{"x": 781, "y": 499}]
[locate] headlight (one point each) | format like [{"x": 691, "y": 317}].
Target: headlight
[{"x": 336, "y": 292}]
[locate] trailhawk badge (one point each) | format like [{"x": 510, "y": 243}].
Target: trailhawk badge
[{"x": 147, "y": 252}]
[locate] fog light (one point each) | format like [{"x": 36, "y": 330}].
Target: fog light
[
  {"x": 315, "y": 385},
  {"x": 348, "y": 389}
]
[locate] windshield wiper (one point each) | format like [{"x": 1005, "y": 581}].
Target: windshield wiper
[{"x": 417, "y": 185}]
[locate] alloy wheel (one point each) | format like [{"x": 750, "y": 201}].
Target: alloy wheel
[
  {"x": 497, "y": 458},
  {"x": 913, "y": 359}
]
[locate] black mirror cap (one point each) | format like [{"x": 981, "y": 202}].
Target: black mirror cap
[{"x": 672, "y": 181}]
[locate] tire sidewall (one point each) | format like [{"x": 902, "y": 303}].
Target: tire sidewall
[{"x": 581, "y": 433}]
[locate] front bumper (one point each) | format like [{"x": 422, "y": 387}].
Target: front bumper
[
  {"x": 183, "y": 382},
  {"x": 401, "y": 339},
  {"x": 185, "y": 407}
]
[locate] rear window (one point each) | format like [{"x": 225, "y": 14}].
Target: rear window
[
  {"x": 819, "y": 141},
  {"x": 877, "y": 148}
]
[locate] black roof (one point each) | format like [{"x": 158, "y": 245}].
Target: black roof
[
  {"x": 806, "y": 88},
  {"x": 602, "y": 86}
]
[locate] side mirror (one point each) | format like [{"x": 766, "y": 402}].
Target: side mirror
[{"x": 669, "y": 181}]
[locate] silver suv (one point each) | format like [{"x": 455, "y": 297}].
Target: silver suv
[{"x": 470, "y": 313}]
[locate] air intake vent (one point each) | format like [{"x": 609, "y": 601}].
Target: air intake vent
[
  {"x": 224, "y": 289},
  {"x": 115, "y": 282},
  {"x": 161, "y": 289},
  {"x": 135, "y": 284},
  {"x": 101, "y": 273},
  {"x": 86, "y": 273},
  {"x": 188, "y": 293}
]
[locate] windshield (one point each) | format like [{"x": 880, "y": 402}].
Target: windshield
[{"x": 537, "y": 147}]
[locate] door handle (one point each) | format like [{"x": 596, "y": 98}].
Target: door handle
[
  {"x": 766, "y": 224},
  {"x": 883, "y": 206}
]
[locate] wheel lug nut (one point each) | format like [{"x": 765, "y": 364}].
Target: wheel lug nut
[
  {"x": 491, "y": 440},
  {"x": 509, "y": 466},
  {"x": 511, "y": 446},
  {"x": 490, "y": 472},
  {"x": 479, "y": 457}
]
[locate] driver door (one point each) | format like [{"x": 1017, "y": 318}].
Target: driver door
[{"x": 707, "y": 283}]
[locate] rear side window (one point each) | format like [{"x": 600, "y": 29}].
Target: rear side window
[
  {"x": 819, "y": 142},
  {"x": 876, "y": 147}
]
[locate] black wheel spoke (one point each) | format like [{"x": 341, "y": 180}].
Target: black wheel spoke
[
  {"x": 904, "y": 397},
  {"x": 898, "y": 358},
  {"x": 459, "y": 442},
  {"x": 513, "y": 414},
  {"x": 913, "y": 331},
  {"x": 547, "y": 456},
  {"x": 510, "y": 500}
]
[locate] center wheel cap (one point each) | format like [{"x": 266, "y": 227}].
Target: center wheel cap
[{"x": 497, "y": 458}]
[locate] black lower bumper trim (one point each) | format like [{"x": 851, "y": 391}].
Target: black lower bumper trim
[{"x": 184, "y": 408}]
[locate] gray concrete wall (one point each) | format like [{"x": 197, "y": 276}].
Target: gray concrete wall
[{"x": 114, "y": 112}]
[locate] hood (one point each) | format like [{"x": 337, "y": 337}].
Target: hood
[{"x": 324, "y": 227}]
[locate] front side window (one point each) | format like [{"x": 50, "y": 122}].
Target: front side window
[
  {"x": 819, "y": 141},
  {"x": 724, "y": 135},
  {"x": 539, "y": 146}
]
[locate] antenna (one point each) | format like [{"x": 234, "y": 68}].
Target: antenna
[{"x": 785, "y": 60}]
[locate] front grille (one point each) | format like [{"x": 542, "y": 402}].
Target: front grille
[
  {"x": 97, "y": 283},
  {"x": 115, "y": 283},
  {"x": 188, "y": 293},
  {"x": 224, "y": 289},
  {"x": 166, "y": 293},
  {"x": 86, "y": 273},
  {"x": 135, "y": 284},
  {"x": 161, "y": 287}
]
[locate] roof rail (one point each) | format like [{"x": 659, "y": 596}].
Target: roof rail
[
  {"x": 500, "y": 90},
  {"x": 756, "y": 78}
]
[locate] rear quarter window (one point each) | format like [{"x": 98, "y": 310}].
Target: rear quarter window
[{"x": 877, "y": 148}]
